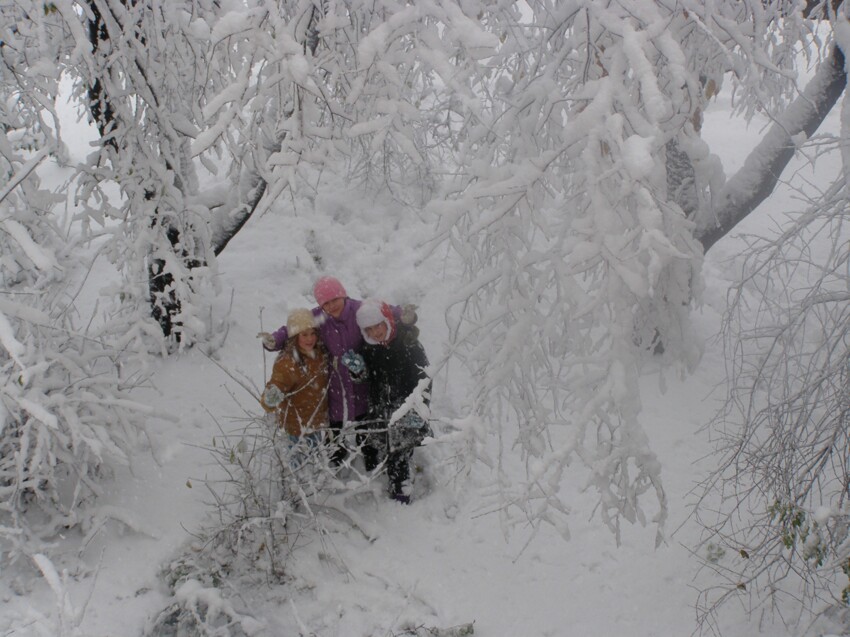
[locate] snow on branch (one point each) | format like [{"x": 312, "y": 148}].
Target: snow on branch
[
  {"x": 756, "y": 180},
  {"x": 779, "y": 491},
  {"x": 575, "y": 263},
  {"x": 65, "y": 414},
  {"x": 575, "y": 212}
]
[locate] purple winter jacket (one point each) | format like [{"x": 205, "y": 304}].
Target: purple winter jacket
[{"x": 346, "y": 399}]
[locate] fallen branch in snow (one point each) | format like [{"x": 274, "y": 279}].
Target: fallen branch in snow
[
  {"x": 202, "y": 612},
  {"x": 461, "y": 630}
]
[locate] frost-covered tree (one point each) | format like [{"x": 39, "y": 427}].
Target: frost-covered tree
[
  {"x": 65, "y": 414},
  {"x": 141, "y": 67},
  {"x": 209, "y": 112},
  {"x": 777, "y": 503},
  {"x": 583, "y": 202},
  {"x": 575, "y": 256}
]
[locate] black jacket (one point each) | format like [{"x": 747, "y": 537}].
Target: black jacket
[{"x": 394, "y": 370}]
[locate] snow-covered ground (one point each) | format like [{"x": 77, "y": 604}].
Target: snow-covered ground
[{"x": 443, "y": 561}]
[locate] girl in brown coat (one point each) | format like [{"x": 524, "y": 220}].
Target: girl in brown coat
[{"x": 298, "y": 389}]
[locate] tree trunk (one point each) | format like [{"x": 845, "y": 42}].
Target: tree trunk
[
  {"x": 753, "y": 183},
  {"x": 164, "y": 302},
  {"x": 99, "y": 105}
]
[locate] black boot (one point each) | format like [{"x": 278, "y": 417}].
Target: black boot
[{"x": 398, "y": 472}]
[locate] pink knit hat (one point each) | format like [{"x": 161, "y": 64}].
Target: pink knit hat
[{"x": 327, "y": 289}]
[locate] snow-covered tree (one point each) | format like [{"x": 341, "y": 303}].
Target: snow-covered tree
[
  {"x": 556, "y": 142},
  {"x": 65, "y": 413},
  {"x": 583, "y": 201},
  {"x": 142, "y": 68},
  {"x": 209, "y": 112},
  {"x": 778, "y": 498}
]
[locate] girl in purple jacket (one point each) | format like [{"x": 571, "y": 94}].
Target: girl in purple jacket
[{"x": 336, "y": 317}]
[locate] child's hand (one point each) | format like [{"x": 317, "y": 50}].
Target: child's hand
[
  {"x": 269, "y": 341},
  {"x": 354, "y": 362},
  {"x": 408, "y": 314},
  {"x": 273, "y": 396}
]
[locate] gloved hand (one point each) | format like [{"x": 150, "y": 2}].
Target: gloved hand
[
  {"x": 408, "y": 432},
  {"x": 408, "y": 314},
  {"x": 273, "y": 396},
  {"x": 354, "y": 362},
  {"x": 268, "y": 340},
  {"x": 411, "y": 420}
]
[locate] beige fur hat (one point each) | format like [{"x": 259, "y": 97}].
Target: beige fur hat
[{"x": 299, "y": 320}]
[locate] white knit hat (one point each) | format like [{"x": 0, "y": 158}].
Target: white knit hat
[{"x": 373, "y": 312}]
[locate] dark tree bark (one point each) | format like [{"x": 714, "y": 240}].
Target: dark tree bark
[
  {"x": 165, "y": 305},
  {"x": 99, "y": 105}
]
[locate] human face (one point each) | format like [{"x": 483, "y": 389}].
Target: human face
[
  {"x": 334, "y": 307},
  {"x": 377, "y": 332},
  {"x": 306, "y": 341}
]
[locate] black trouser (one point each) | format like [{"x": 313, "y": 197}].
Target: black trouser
[
  {"x": 372, "y": 444},
  {"x": 373, "y": 454},
  {"x": 337, "y": 449},
  {"x": 374, "y": 448},
  {"x": 398, "y": 471}
]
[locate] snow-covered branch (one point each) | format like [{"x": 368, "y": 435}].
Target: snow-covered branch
[
  {"x": 780, "y": 488},
  {"x": 756, "y": 180},
  {"x": 65, "y": 414}
]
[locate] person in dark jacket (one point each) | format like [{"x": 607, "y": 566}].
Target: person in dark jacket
[{"x": 395, "y": 368}]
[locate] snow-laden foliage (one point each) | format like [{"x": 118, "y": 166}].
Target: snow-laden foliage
[
  {"x": 779, "y": 494},
  {"x": 65, "y": 415},
  {"x": 208, "y": 112},
  {"x": 269, "y": 499},
  {"x": 778, "y": 498},
  {"x": 578, "y": 246},
  {"x": 349, "y": 87},
  {"x": 556, "y": 142}
]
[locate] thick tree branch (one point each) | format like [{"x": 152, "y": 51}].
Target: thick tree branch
[
  {"x": 227, "y": 222},
  {"x": 753, "y": 183}
]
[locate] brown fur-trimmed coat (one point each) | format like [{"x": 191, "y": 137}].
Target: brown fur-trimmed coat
[{"x": 304, "y": 383}]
